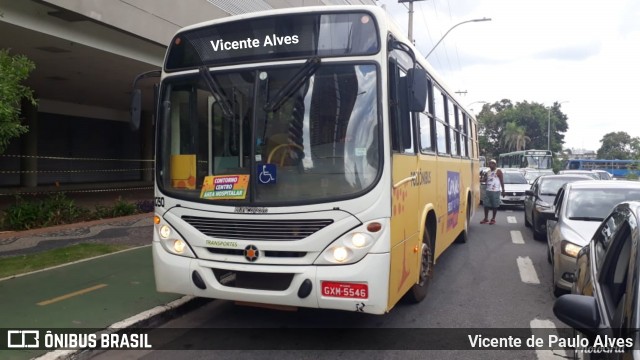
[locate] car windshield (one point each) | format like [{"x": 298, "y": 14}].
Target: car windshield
[
  {"x": 595, "y": 204},
  {"x": 550, "y": 186},
  {"x": 531, "y": 175},
  {"x": 270, "y": 135},
  {"x": 512, "y": 177}
]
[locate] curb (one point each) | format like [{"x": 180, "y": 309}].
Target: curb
[
  {"x": 146, "y": 319},
  {"x": 53, "y": 229}
]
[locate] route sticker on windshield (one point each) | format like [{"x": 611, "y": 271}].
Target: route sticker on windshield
[{"x": 221, "y": 187}]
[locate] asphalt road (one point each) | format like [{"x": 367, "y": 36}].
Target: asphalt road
[{"x": 499, "y": 281}]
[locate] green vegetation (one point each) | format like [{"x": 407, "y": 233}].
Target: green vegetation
[
  {"x": 26, "y": 263},
  {"x": 58, "y": 209},
  {"x": 505, "y": 126},
  {"x": 14, "y": 70}
]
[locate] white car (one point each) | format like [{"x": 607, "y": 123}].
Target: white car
[
  {"x": 580, "y": 207},
  {"x": 515, "y": 184}
]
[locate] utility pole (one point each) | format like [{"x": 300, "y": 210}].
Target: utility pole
[{"x": 410, "y": 33}]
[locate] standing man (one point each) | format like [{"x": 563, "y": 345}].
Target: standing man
[{"x": 494, "y": 180}]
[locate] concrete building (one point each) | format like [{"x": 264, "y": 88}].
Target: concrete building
[{"x": 87, "y": 53}]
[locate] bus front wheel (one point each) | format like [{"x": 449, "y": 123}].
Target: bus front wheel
[{"x": 419, "y": 290}]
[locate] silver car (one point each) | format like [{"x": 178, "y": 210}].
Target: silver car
[
  {"x": 532, "y": 174},
  {"x": 580, "y": 207},
  {"x": 515, "y": 184}
]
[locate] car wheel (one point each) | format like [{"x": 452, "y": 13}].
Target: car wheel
[{"x": 419, "y": 291}]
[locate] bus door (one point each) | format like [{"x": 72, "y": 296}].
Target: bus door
[{"x": 405, "y": 192}]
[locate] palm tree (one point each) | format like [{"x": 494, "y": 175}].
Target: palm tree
[{"x": 514, "y": 138}]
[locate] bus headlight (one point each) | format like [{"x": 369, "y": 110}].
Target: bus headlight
[
  {"x": 340, "y": 254},
  {"x": 352, "y": 246},
  {"x": 171, "y": 240},
  {"x": 165, "y": 231},
  {"x": 179, "y": 246},
  {"x": 359, "y": 240}
]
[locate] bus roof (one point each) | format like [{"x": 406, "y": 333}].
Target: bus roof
[{"x": 385, "y": 23}]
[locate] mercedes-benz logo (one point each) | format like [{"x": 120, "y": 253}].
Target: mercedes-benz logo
[{"x": 251, "y": 253}]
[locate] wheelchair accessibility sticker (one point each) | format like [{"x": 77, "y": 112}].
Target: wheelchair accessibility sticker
[{"x": 266, "y": 173}]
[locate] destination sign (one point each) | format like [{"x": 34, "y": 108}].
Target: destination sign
[{"x": 275, "y": 37}]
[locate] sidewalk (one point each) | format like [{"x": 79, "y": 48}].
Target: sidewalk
[{"x": 94, "y": 293}]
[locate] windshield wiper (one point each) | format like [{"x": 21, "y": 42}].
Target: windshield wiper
[
  {"x": 216, "y": 90},
  {"x": 586, "y": 218},
  {"x": 308, "y": 69}
]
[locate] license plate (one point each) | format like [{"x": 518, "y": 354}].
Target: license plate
[
  {"x": 345, "y": 290},
  {"x": 515, "y": 198}
]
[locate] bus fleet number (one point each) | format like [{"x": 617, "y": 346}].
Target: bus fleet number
[{"x": 159, "y": 202}]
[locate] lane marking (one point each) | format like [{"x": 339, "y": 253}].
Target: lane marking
[
  {"x": 542, "y": 329},
  {"x": 528, "y": 273},
  {"x": 512, "y": 220},
  {"x": 70, "y": 295},
  {"x": 516, "y": 237}
]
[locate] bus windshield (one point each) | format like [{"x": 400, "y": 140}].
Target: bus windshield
[
  {"x": 222, "y": 139},
  {"x": 538, "y": 161}
]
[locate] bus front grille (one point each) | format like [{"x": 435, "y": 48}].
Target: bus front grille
[
  {"x": 274, "y": 230},
  {"x": 253, "y": 280}
]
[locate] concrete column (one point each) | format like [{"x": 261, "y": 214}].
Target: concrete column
[{"x": 29, "y": 147}]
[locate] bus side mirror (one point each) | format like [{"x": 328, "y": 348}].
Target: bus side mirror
[
  {"x": 417, "y": 89},
  {"x": 136, "y": 109},
  {"x": 136, "y": 98}
]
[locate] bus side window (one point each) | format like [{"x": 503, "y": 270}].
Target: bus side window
[{"x": 399, "y": 115}]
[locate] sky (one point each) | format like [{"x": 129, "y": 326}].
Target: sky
[{"x": 584, "y": 54}]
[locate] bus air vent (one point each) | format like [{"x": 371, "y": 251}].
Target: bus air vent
[
  {"x": 253, "y": 280},
  {"x": 269, "y": 230}
]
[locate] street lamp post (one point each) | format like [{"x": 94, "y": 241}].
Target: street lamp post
[
  {"x": 453, "y": 27},
  {"x": 549, "y": 124},
  {"x": 477, "y": 102}
]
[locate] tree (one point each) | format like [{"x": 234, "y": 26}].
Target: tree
[
  {"x": 14, "y": 69},
  {"x": 514, "y": 137},
  {"x": 533, "y": 118},
  {"x": 618, "y": 145}
]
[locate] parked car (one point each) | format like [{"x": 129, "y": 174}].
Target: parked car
[
  {"x": 532, "y": 174},
  {"x": 515, "y": 185},
  {"x": 580, "y": 172},
  {"x": 539, "y": 199},
  {"x": 604, "y": 175},
  {"x": 611, "y": 264},
  {"x": 580, "y": 207}
]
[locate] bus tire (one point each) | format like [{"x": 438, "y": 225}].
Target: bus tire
[{"x": 418, "y": 291}]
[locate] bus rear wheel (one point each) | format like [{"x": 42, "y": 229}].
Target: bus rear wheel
[{"x": 418, "y": 291}]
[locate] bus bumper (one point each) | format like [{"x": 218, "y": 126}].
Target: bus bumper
[{"x": 175, "y": 274}]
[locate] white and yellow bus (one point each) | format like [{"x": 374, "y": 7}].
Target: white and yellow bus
[{"x": 307, "y": 157}]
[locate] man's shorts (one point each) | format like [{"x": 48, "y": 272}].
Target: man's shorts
[{"x": 491, "y": 199}]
